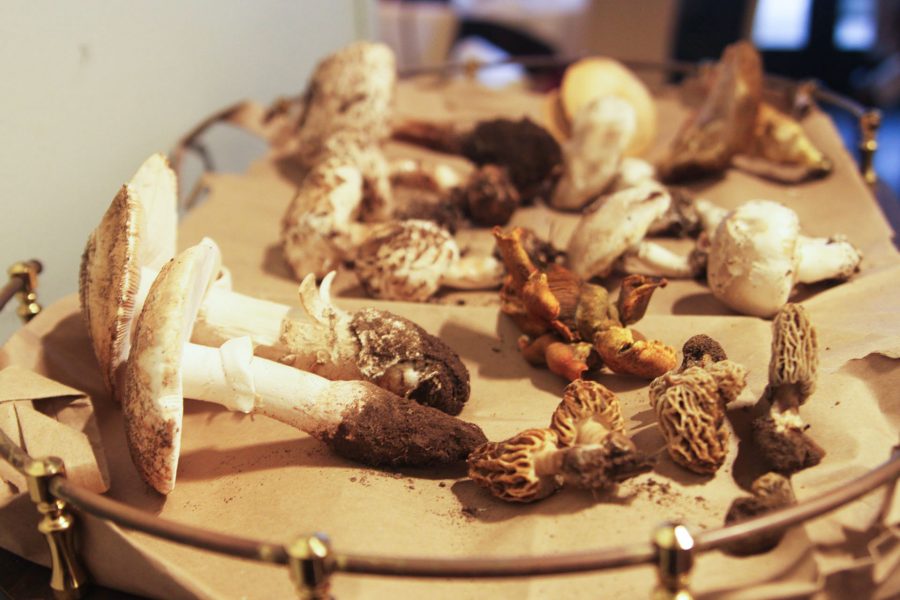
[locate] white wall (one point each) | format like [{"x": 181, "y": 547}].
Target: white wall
[{"x": 88, "y": 89}]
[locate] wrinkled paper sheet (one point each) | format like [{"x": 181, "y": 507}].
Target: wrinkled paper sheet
[{"x": 255, "y": 477}]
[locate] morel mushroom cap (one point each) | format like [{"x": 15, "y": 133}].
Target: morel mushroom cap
[
  {"x": 771, "y": 491},
  {"x": 517, "y": 469},
  {"x": 410, "y": 260},
  {"x": 137, "y": 231},
  {"x": 588, "y": 412},
  {"x": 758, "y": 254},
  {"x": 792, "y": 378},
  {"x": 692, "y": 419},
  {"x": 701, "y": 351}
]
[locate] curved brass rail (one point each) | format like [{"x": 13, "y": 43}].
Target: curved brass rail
[{"x": 480, "y": 567}]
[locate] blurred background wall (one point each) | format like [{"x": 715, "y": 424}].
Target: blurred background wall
[{"x": 89, "y": 89}]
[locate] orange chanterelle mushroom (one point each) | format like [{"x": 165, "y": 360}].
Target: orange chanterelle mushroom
[{"x": 572, "y": 325}]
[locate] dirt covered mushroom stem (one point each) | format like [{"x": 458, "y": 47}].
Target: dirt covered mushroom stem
[
  {"x": 357, "y": 419},
  {"x": 781, "y": 434},
  {"x": 771, "y": 492}
]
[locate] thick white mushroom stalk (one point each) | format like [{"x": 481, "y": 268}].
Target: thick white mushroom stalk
[
  {"x": 136, "y": 237},
  {"x": 357, "y": 419}
]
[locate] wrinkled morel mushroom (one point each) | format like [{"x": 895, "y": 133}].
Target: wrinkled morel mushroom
[
  {"x": 690, "y": 405},
  {"x": 781, "y": 434},
  {"x": 770, "y": 492}
]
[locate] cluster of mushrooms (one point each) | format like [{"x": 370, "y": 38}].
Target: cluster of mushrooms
[
  {"x": 586, "y": 445},
  {"x": 377, "y": 388},
  {"x": 373, "y": 386}
]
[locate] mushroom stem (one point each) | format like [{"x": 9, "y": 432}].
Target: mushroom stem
[
  {"x": 232, "y": 377},
  {"x": 650, "y": 258},
  {"x": 826, "y": 258}
]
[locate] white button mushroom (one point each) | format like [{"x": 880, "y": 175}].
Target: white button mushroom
[{"x": 758, "y": 255}]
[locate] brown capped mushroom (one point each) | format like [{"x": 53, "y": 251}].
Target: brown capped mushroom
[
  {"x": 690, "y": 405},
  {"x": 526, "y": 150},
  {"x": 137, "y": 236},
  {"x": 725, "y": 122},
  {"x": 781, "y": 434},
  {"x": 771, "y": 491},
  {"x": 356, "y": 419}
]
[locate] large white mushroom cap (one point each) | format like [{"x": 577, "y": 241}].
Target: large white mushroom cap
[{"x": 753, "y": 260}]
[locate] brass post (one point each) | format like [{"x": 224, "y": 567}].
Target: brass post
[
  {"x": 68, "y": 578},
  {"x": 27, "y": 271},
  {"x": 311, "y": 565},
  {"x": 869, "y": 123},
  {"x": 674, "y": 561}
]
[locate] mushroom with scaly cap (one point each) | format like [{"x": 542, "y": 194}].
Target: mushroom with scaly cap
[
  {"x": 411, "y": 260},
  {"x": 356, "y": 419},
  {"x": 136, "y": 236},
  {"x": 792, "y": 379}
]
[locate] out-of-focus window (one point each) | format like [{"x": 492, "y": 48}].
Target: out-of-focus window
[
  {"x": 856, "y": 25},
  {"x": 782, "y": 24}
]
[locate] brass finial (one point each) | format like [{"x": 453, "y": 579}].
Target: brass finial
[
  {"x": 311, "y": 564},
  {"x": 869, "y": 123},
  {"x": 674, "y": 561},
  {"x": 27, "y": 272},
  {"x": 68, "y": 578}
]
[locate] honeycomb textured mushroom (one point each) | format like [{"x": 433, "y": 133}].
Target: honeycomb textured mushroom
[
  {"x": 411, "y": 260},
  {"x": 690, "y": 405},
  {"x": 589, "y": 424},
  {"x": 781, "y": 434},
  {"x": 758, "y": 255},
  {"x": 588, "y": 412},
  {"x": 692, "y": 419},
  {"x": 521, "y": 469},
  {"x": 356, "y": 419},
  {"x": 771, "y": 491}
]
